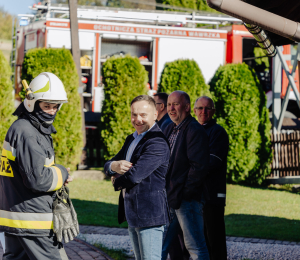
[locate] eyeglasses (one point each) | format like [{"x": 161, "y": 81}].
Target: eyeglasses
[{"x": 202, "y": 108}]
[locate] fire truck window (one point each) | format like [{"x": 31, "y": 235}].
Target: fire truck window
[
  {"x": 140, "y": 49},
  {"x": 110, "y": 47},
  {"x": 256, "y": 59}
]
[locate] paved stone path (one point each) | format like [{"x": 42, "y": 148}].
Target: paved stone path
[{"x": 80, "y": 250}]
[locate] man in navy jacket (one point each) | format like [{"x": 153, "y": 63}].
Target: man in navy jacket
[{"x": 138, "y": 171}]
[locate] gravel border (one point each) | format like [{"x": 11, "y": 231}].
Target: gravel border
[
  {"x": 87, "y": 229},
  {"x": 259, "y": 251},
  {"x": 236, "y": 250},
  {"x": 109, "y": 241}
]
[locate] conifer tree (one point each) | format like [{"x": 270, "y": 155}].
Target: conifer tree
[
  {"x": 124, "y": 78},
  {"x": 241, "y": 109},
  {"x": 6, "y": 97},
  {"x": 68, "y": 141},
  {"x": 183, "y": 75}
]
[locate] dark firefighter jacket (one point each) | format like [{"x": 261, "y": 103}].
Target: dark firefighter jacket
[
  {"x": 218, "y": 150},
  {"x": 28, "y": 179}
]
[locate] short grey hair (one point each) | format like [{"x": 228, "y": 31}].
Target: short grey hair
[
  {"x": 185, "y": 96},
  {"x": 207, "y": 98}
]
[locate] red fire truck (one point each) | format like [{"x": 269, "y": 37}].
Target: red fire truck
[{"x": 156, "y": 37}]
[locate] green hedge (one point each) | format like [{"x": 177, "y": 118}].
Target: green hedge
[
  {"x": 200, "y": 5},
  {"x": 124, "y": 78},
  {"x": 6, "y": 98},
  {"x": 183, "y": 75},
  {"x": 68, "y": 141},
  {"x": 241, "y": 110}
]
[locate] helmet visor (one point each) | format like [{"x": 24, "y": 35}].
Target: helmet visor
[{"x": 54, "y": 101}]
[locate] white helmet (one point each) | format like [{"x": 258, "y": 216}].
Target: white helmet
[{"x": 46, "y": 87}]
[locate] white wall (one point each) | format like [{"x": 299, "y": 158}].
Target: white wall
[
  {"x": 208, "y": 54},
  {"x": 98, "y": 99},
  {"x": 60, "y": 38}
]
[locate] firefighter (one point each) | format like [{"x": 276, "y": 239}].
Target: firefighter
[{"x": 29, "y": 175}]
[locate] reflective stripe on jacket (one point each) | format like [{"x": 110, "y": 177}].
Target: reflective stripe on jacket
[
  {"x": 218, "y": 150},
  {"x": 28, "y": 179}
]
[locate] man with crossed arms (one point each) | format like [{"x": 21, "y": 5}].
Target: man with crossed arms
[{"x": 138, "y": 171}]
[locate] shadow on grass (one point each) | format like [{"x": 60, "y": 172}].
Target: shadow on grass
[
  {"x": 97, "y": 213},
  {"x": 285, "y": 187},
  {"x": 255, "y": 226},
  {"x": 241, "y": 225}
]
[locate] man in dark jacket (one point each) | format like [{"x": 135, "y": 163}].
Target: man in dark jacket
[
  {"x": 161, "y": 108},
  {"x": 214, "y": 209},
  {"x": 139, "y": 170},
  {"x": 185, "y": 178},
  {"x": 163, "y": 120}
]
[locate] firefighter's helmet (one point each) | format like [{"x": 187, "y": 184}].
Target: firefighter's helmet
[{"x": 46, "y": 87}]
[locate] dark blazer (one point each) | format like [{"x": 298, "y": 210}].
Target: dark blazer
[
  {"x": 188, "y": 165},
  {"x": 164, "y": 122},
  {"x": 145, "y": 197},
  {"x": 218, "y": 149}
]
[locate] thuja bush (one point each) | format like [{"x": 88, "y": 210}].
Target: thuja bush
[
  {"x": 6, "y": 98},
  {"x": 241, "y": 109},
  {"x": 183, "y": 75},
  {"x": 68, "y": 141},
  {"x": 124, "y": 78},
  {"x": 200, "y": 5}
]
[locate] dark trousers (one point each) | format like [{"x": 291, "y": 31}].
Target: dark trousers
[
  {"x": 177, "y": 250},
  {"x": 33, "y": 248},
  {"x": 215, "y": 236},
  {"x": 214, "y": 229}
]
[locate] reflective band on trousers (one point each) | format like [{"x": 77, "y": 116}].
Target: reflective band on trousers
[
  {"x": 57, "y": 180},
  {"x": 26, "y": 220}
]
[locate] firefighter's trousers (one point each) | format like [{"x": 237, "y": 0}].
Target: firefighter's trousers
[{"x": 33, "y": 248}]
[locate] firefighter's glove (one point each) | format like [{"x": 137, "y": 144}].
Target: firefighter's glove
[{"x": 65, "y": 224}]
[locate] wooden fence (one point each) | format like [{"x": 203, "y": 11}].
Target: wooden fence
[{"x": 285, "y": 164}]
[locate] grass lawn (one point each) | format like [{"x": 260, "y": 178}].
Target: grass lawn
[
  {"x": 250, "y": 212},
  {"x": 96, "y": 202},
  {"x": 263, "y": 213}
]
